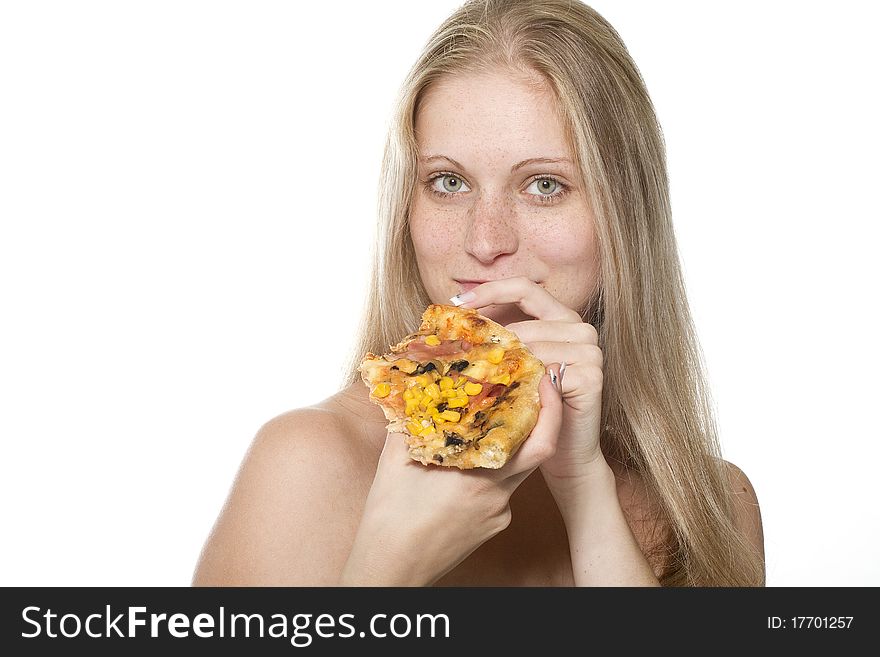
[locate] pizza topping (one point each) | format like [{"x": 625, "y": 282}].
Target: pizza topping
[
  {"x": 426, "y": 367},
  {"x": 479, "y": 370},
  {"x": 453, "y": 438},
  {"x": 424, "y": 350},
  {"x": 505, "y": 393},
  {"x": 462, "y": 388},
  {"x": 487, "y": 391},
  {"x": 405, "y": 365},
  {"x": 382, "y": 390},
  {"x": 473, "y": 388},
  {"x": 495, "y": 355},
  {"x": 457, "y": 402},
  {"x": 431, "y": 399},
  {"x": 437, "y": 391}
]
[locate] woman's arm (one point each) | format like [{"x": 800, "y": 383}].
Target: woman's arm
[
  {"x": 420, "y": 522},
  {"x": 292, "y": 512},
  {"x": 604, "y": 551},
  {"x": 296, "y": 515},
  {"x": 603, "y": 548}
]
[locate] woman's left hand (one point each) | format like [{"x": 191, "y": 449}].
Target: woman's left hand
[{"x": 559, "y": 336}]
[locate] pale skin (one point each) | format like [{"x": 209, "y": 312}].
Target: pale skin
[{"x": 325, "y": 496}]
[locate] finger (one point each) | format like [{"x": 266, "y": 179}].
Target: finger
[
  {"x": 531, "y": 298},
  {"x": 395, "y": 449},
  {"x": 554, "y": 331},
  {"x": 541, "y": 443},
  {"x": 573, "y": 353}
]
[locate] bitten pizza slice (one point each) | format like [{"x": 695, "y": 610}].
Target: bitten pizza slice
[{"x": 463, "y": 389}]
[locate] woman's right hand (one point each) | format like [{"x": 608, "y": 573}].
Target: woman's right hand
[{"x": 419, "y": 522}]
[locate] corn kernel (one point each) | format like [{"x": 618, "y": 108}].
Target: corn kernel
[
  {"x": 432, "y": 340},
  {"x": 433, "y": 391},
  {"x": 413, "y": 428},
  {"x": 457, "y": 402},
  {"x": 427, "y": 431},
  {"x": 446, "y": 383},
  {"x": 503, "y": 379},
  {"x": 446, "y": 394},
  {"x": 495, "y": 355},
  {"x": 382, "y": 390},
  {"x": 472, "y": 388},
  {"x": 408, "y": 394},
  {"x": 452, "y": 416},
  {"x": 461, "y": 381},
  {"x": 412, "y": 406},
  {"x": 424, "y": 401},
  {"x": 425, "y": 379}
]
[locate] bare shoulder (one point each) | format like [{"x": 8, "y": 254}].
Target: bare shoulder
[
  {"x": 293, "y": 508},
  {"x": 314, "y": 435},
  {"x": 747, "y": 511}
]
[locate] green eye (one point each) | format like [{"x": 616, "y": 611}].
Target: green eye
[
  {"x": 452, "y": 184},
  {"x": 448, "y": 184},
  {"x": 547, "y": 185}
]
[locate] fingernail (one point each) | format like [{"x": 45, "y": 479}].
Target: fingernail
[
  {"x": 553, "y": 378},
  {"x": 463, "y": 298}
]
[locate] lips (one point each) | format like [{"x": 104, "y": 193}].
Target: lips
[
  {"x": 469, "y": 285},
  {"x": 475, "y": 282}
]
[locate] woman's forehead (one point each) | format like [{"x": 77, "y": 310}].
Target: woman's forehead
[{"x": 497, "y": 113}]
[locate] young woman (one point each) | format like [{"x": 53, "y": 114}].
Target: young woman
[{"x": 524, "y": 176}]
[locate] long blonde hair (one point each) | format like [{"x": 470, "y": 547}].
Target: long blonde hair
[{"x": 657, "y": 410}]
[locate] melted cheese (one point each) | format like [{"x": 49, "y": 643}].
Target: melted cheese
[{"x": 480, "y": 370}]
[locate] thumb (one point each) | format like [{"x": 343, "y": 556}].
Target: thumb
[
  {"x": 395, "y": 449},
  {"x": 541, "y": 443}
]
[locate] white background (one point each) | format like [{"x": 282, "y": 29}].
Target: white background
[{"x": 186, "y": 186}]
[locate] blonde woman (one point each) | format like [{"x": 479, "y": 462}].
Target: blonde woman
[{"x": 524, "y": 176}]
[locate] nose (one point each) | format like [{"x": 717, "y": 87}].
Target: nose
[{"x": 491, "y": 228}]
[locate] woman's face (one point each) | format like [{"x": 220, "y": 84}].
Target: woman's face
[{"x": 498, "y": 193}]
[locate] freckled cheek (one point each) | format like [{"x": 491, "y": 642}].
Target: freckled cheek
[
  {"x": 569, "y": 252},
  {"x": 565, "y": 243},
  {"x": 435, "y": 234}
]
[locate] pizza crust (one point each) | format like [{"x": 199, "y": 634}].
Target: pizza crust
[{"x": 493, "y": 424}]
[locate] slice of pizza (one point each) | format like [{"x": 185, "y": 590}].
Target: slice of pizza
[{"x": 463, "y": 389}]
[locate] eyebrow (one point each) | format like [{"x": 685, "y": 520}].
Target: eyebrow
[
  {"x": 513, "y": 169},
  {"x": 540, "y": 160}
]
